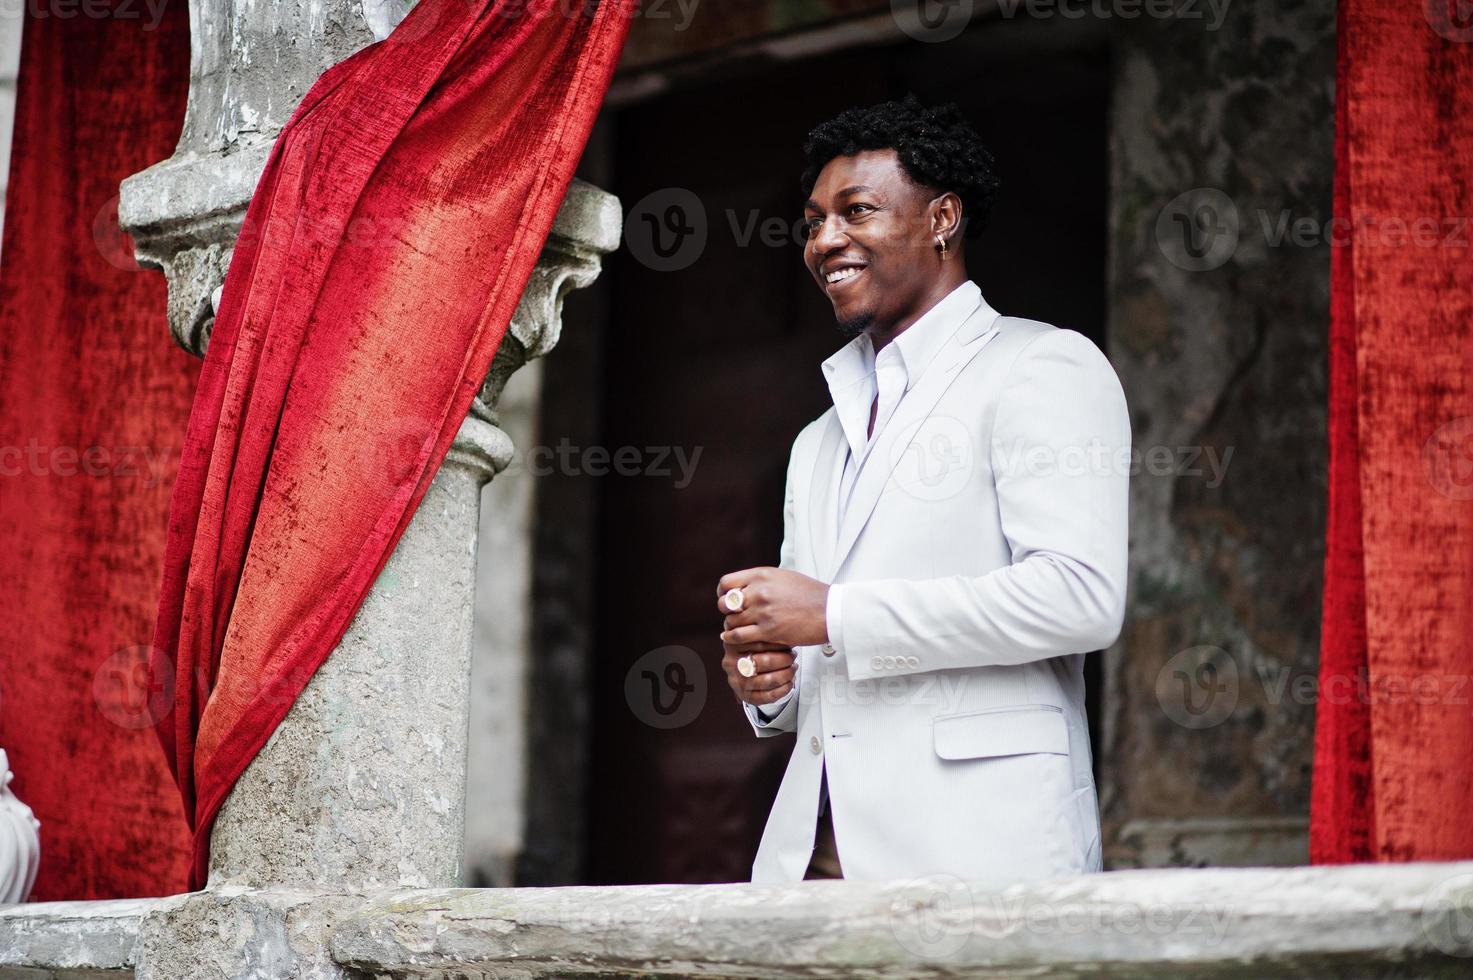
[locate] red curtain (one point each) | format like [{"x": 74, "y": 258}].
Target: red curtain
[
  {"x": 384, "y": 252},
  {"x": 93, "y": 400},
  {"x": 1393, "y": 777}
]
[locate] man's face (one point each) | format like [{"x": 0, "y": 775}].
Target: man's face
[{"x": 869, "y": 224}]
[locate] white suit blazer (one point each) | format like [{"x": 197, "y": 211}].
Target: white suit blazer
[{"x": 982, "y": 554}]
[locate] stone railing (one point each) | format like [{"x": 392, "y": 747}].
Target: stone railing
[{"x": 1413, "y": 920}]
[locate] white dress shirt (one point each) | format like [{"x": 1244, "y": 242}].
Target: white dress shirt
[{"x": 857, "y": 377}]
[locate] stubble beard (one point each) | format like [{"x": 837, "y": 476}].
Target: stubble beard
[{"x": 855, "y": 325}]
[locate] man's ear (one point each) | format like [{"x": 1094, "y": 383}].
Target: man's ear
[{"x": 945, "y": 214}]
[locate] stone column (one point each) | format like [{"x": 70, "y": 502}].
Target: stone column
[
  {"x": 363, "y": 783},
  {"x": 9, "y": 69}
]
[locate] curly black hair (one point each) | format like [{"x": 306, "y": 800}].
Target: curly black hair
[{"x": 937, "y": 147}]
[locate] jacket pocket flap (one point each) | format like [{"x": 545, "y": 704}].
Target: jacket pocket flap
[{"x": 1001, "y": 731}]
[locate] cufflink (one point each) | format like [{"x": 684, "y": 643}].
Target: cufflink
[{"x": 828, "y": 649}]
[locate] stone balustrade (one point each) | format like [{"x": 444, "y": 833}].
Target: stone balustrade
[{"x": 1410, "y": 920}]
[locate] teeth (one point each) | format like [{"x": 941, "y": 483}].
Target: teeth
[{"x": 841, "y": 274}]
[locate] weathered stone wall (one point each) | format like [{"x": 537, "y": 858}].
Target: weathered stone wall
[
  {"x": 1218, "y": 291},
  {"x": 667, "y": 31},
  {"x": 1218, "y": 329}
]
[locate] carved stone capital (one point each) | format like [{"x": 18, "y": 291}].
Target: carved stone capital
[
  {"x": 185, "y": 214},
  {"x": 587, "y": 226}
]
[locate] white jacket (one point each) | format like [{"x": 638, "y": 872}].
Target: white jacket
[{"x": 983, "y": 552}]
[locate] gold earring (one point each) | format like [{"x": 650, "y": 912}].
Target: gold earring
[{"x": 941, "y": 244}]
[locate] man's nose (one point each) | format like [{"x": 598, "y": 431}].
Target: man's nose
[{"x": 829, "y": 236}]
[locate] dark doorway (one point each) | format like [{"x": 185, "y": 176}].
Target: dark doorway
[{"x": 722, "y": 356}]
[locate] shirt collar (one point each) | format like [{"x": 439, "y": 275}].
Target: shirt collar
[{"x": 916, "y": 345}]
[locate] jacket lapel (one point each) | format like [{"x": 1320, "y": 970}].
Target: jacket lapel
[
  {"x": 974, "y": 334},
  {"x": 823, "y": 506}
]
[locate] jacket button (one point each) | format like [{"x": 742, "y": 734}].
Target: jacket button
[
  {"x": 828, "y": 649},
  {"x": 815, "y": 745}
]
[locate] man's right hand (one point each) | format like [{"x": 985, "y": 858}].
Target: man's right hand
[{"x": 774, "y": 677}]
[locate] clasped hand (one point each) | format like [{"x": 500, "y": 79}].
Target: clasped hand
[{"x": 780, "y": 609}]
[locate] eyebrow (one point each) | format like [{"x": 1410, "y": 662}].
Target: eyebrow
[{"x": 851, "y": 189}]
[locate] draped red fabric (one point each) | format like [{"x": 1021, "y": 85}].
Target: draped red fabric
[
  {"x": 384, "y": 251},
  {"x": 1394, "y": 743},
  {"x": 93, "y": 401}
]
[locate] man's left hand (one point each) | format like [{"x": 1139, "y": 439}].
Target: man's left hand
[{"x": 778, "y": 606}]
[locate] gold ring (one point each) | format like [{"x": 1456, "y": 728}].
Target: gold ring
[
  {"x": 746, "y": 666},
  {"x": 734, "y": 599}
]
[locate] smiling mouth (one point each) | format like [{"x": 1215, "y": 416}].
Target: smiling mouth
[{"x": 841, "y": 278}]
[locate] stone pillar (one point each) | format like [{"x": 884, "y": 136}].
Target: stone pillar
[
  {"x": 9, "y": 69},
  {"x": 363, "y": 784}
]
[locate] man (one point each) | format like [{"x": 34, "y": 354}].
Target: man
[{"x": 954, "y": 542}]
